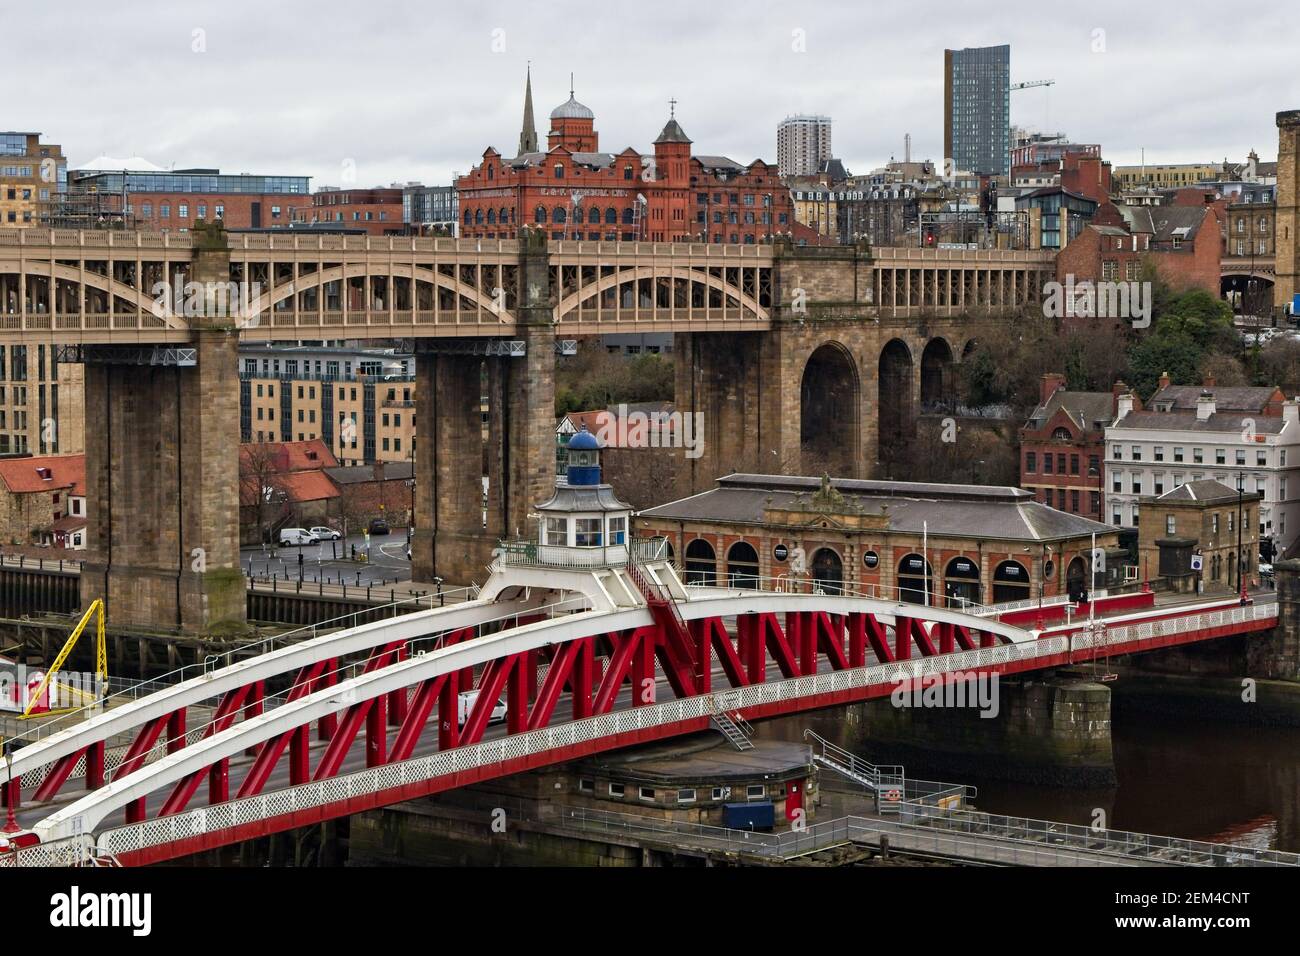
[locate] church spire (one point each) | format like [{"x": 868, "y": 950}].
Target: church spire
[{"x": 528, "y": 132}]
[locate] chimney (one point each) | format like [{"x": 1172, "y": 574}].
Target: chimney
[
  {"x": 1204, "y": 406},
  {"x": 1049, "y": 385},
  {"x": 1123, "y": 405},
  {"x": 378, "y": 469},
  {"x": 1209, "y": 380},
  {"x": 1164, "y": 379}
]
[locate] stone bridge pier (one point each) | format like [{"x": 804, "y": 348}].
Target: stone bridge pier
[
  {"x": 836, "y": 385},
  {"x": 162, "y": 469},
  {"x": 487, "y": 407}
]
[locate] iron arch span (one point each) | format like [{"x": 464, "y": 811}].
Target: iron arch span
[{"x": 830, "y": 400}]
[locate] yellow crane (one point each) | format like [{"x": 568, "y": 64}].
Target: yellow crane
[{"x": 101, "y": 659}]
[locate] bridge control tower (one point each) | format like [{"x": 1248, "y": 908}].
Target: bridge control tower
[{"x": 584, "y": 544}]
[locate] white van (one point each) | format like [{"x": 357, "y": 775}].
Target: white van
[
  {"x": 292, "y": 536},
  {"x": 466, "y": 704}
]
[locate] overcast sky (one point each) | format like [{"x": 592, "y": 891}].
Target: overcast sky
[{"x": 404, "y": 91}]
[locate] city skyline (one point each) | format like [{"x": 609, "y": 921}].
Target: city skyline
[{"x": 401, "y": 106}]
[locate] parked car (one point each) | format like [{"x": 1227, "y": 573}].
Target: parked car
[
  {"x": 378, "y": 526},
  {"x": 466, "y": 704},
  {"x": 295, "y": 536},
  {"x": 325, "y": 534}
]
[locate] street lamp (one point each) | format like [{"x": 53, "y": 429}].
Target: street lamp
[{"x": 1241, "y": 578}]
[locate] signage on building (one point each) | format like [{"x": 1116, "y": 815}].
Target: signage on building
[
  {"x": 870, "y": 560},
  {"x": 1198, "y": 562},
  {"x": 780, "y": 552}
]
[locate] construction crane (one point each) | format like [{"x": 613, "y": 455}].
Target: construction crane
[{"x": 1032, "y": 83}]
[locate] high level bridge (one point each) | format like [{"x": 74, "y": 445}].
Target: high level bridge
[{"x": 777, "y": 346}]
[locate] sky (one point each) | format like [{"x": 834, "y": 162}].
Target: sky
[{"x": 385, "y": 91}]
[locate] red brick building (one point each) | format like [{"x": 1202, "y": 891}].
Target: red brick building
[
  {"x": 1063, "y": 447},
  {"x": 1184, "y": 242},
  {"x": 377, "y": 211},
  {"x": 170, "y": 200},
  {"x": 574, "y": 191}
]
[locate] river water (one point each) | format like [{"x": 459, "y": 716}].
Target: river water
[{"x": 1177, "y": 776}]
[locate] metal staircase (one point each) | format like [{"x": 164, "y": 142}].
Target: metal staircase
[
  {"x": 886, "y": 782},
  {"x": 736, "y": 729}
]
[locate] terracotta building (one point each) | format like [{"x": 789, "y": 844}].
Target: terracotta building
[
  {"x": 961, "y": 543},
  {"x": 573, "y": 191},
  {"x": 1063, "y": 447}
]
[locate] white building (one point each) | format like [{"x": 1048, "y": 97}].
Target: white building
[
  {"x": 802, "y": 144},
  {"x": 1181, "y": 439}
]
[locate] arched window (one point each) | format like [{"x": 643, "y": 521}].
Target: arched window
[
  {"x": 559, "y": 215},
  {"x": 742, "y": 566},
  {"x": 611, "y": 216},
  {"x": 701, "y": 563},
  {"x": 492, "y": 217},
  {"x": 478, "y": 217},
  {"x": 506, "y": 215},
  {"x": 539, "y": 214},
  {"x": 627, "y": 216},
  {"x": 827, "y": 571},
  {"x": 961, "y": 582},
  {"x": 1010, "y": 582},
  {"x": 577, "y": 216},
  {"x": 915, "y": 579},
  {"x": 593, "y": 217},
  {"x": 469, "y": 217}
]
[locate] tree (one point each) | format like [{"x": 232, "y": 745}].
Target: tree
[{"x": 260, "y": 487}]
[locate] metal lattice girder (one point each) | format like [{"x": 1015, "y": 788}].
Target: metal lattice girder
[
  {"x": 510, "y": 348},
  {"x": 158, "y": 355},
  {"x": 566, "y": 346}
]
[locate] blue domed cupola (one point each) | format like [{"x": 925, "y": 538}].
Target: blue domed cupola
[{"x": 584, "y": 459}]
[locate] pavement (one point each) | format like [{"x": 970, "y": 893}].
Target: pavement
[{"x": 329, "y": 562}]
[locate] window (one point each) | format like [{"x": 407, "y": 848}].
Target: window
[
  {"x": 617, "y": 530},
  {"x": 616, "y": 790},
  {"x": 1074, "y": 464},
  {"x": 1159, "y": 452},
  {"x": 1137, "y": 452},
  {"x": 183, "y": 210},
  {"x": 586, "y": 786},
  {"x": 1047, "y": 464},
  {"x": 1197, "y": 456},
  {"x": 1117, "y": 452},
  {"x": 1031, "y": 462},
  {"x": 1220, "y": 456},
  {"x": 557, "y": 531},
  {"x": 755, "y": 791},
  {"x": 1074, "y": 501},
  {"x": 588, "y": 533},
  {"x": 1241, "y": 456},
  {"x": 1214, "y": 523},
  {"x": 646, "y": 793},
  {"x": 685, "y": 796},
  {"x": 1159, "y": 482},
  {"x": 717, "y": 793},
  {"x": 1137, "y": 484},
  {"x": 1117, "y": 481},
  {"x": 1261, "y": 458},
  {"x": 1178, "y": 453},
  {"x": 1170, "y": 525}
]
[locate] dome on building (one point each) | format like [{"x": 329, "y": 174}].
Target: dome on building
[
  {"x": 572, "y": 109},
  {"x": 584, "y": 441}
]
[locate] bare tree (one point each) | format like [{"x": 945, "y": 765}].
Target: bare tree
[{"x": 260, "y": 487}]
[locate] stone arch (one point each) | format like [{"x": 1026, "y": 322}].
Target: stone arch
[
  {"x": 742, "y": 565},
  {"x": 830, "y": 399},
  {"x": 701, "y": 562},
  {"x": 938, "y": 375},
  {"x": 897, "y": 417}
]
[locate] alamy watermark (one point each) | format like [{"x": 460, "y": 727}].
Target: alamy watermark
[
  {"x": 1104, "y": 299},
  {"x": 960, "y": 689},
  {"x": 226, "y": 300},
  {"x": 66, "y": 689},
  {"x": 621, "y": 428}
]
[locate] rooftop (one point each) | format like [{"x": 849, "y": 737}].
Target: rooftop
[{"x": 977, "y": 511}]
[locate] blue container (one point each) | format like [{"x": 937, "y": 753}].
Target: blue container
[{"x": 749, "y": 816}]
